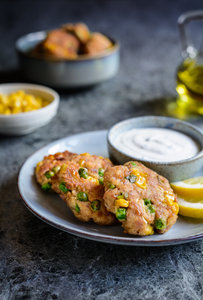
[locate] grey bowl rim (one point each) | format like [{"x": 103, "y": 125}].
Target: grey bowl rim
[
  {"x": 108, "y": 52},
  {"x": 174, "y": 163}
]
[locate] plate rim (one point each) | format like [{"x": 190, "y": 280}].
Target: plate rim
[{"x": 127, "y": 241}]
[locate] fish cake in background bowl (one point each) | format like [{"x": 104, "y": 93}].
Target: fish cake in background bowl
[
  {"x": 58, "y": 44},
  {"x": 97, "y": 43},
  {"x": 140, "y": 198},
  {"x": 79, "y": 182}
]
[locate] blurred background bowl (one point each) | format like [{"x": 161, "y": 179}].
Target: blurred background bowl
[
  {"x": 81, "y": 72},
  {"x": 26, "y": 122},
  {"x": 173, "y": 171}
]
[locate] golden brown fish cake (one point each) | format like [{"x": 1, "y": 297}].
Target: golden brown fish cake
[
  {"x": 82, "y": 188},
  {"x": 78, "y": 179},
  {"x": 97, "y": 44},
  {"x": 140, "y": 198},
  {"x": 60, "y": 44}
]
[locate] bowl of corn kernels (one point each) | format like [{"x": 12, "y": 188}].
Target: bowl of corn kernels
[{"x": 26, "y": 107}]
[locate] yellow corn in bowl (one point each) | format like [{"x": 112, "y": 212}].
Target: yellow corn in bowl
[{"x": 26, "y": 107}]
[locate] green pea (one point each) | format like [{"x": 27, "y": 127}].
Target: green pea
[
  {"x": 121, "y": 214},
  {"x": 120, "y": 196},
  {"x": 132, "y": 178},
  {"x": 160, "y": 224},
  {"x": 83, "y": 173},
  {"x": 56, "y": 169},
  {"x": 151, "y": 208},
  {"x": 133, "y": 163},
  {"x": 101, "y": 172},
  {"x": 147, "y": 201},
  {"x": 95, "y": 205},
  {"x": 77, "y": 208},
  {"x": 49, "y": 174},
  {"x": 101, "y": 180},
  {"x": 46, "y": 186},
  {"x": 63, "y": 188},
  {"x": 112, "y": 186},
  {"x": 82, "y": 196}
]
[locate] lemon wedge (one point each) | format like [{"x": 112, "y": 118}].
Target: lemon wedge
[
  {"x": 190, "y": 208},
  {"x": 190, "y": 188}
]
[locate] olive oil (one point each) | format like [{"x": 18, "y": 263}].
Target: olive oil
[{"x": 190, "y": 86}]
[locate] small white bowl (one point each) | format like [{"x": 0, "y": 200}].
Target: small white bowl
[{"x": 24, "y": 123}]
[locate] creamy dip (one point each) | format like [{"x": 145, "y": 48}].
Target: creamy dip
[{"x": 157, "y": 144}]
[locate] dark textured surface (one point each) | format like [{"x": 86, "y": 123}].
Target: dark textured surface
[{"x": 40, "y": 262}]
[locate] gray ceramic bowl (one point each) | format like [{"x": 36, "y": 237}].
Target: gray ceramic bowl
[
  {"x": 80, "y": 72},
  {"x": 173, "y": 171}
]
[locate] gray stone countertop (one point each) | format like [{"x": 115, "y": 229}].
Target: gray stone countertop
[{"x": 38, "y": 261}]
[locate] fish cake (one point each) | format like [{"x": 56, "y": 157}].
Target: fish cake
[
  {"x": 140, "y": 198},
  {"x": 60, "y": 44},
  {"x": 78, "y": 179},
  {"x": 97, "y": 44},
  {"x": 80, "y": 184}
]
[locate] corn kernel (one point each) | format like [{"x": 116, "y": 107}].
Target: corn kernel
[
  {"x": 169, "y": 197},
  {"x": 38, "y": 166},
  {"x": 175, "y": 208},
  {"x": 141, "y": 178},
  {"x": 121, "y": 203},
  {"x": 7, "y": 111},
  {"x": 81, "y": 162},
  {"x": 19, "y": 101},
  {"x": 63, "y": 167},
  {"x": 149, "y": 230},
  {"x": 92, "y": 179}
]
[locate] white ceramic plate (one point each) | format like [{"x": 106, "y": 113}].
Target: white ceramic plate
[{"x": 51, "y": 209}]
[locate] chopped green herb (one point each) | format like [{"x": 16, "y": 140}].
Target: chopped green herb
[
  {"x": 112, "y": 186},
  {"x": 95, "y": 205},
  {"x": 121, "y": 214},
  {"x": 132, "y": 178},
  {"x": 82, "y": 196},
  {"x": 83, "y": 173},
  {"x": 77, "y": 208},
  {"x": 160, "y": 224},
  {"x": 63, "y": 188},
  {"x": 49, "y": 174},
  {"x": 101, "y": 180},
  {"x": 133, "y": 163},
  {"x": 101, "y": 172},
  {"x": 46, "y": 186}
]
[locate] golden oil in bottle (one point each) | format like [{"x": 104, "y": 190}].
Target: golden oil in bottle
[{"x": 190, "y": 86}]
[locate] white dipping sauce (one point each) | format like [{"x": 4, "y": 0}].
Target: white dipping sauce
[{"x": 157, "y": 144}]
